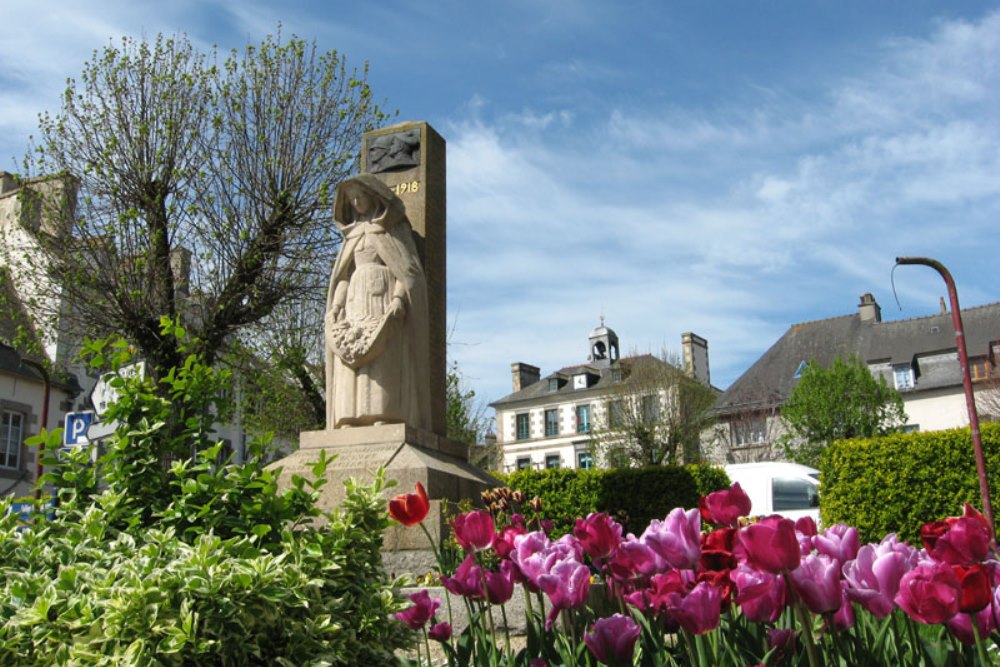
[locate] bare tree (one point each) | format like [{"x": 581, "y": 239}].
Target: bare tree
[{"x": 653, "y": 414}]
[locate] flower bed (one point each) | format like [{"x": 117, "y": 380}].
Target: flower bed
[{"x": 706, "y": 586}]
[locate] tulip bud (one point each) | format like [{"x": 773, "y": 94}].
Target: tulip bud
[
  {"x": 518, "y": 497},
  {"x": 536, "y": 504}
]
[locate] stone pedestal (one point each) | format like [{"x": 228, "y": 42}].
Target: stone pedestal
[{"x": 409, "y": 455}]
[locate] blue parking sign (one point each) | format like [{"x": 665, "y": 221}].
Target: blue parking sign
[{"x": 77, "y": 425}]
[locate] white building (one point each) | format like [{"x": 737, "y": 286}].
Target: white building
[
  {"x": 548, "y": 422},
  {"x": 917, "y": 356}
]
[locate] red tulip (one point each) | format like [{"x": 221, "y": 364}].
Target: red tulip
[
  {"x": 725, "y": 507},
  {"x": 410, "y": 508},
  {"x": 474, "y": 531},
  {"x": 961, "y": 540},
  {"x": 974, "y": 581},
  {"x": 599, "y": 534},
  {"x": 929, "y": 593},
  {"x": 770, "y": 545}
]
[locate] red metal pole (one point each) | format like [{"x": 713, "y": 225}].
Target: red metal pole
[
  {"x": 45, "y": 421},
  {"x": 970, "y": 398}
]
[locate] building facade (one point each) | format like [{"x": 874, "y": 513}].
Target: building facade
[
  {"x": 550, "y": 422},
  {"x": 916, "y": 356}
]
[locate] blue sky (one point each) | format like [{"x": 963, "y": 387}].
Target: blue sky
[{"x": 727, "y": 168}]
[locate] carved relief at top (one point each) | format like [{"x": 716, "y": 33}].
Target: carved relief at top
[{"x": 392, "y": 152}]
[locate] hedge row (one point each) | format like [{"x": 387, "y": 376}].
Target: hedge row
[
  {"x": 634, "y": 496},
  {"x": 898, "y": 482}
]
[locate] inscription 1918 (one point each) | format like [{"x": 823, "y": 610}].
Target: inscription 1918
[{"x": 403, "y": 188}]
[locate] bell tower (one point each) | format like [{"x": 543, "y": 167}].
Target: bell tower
[{"x": 603, "y": 346}]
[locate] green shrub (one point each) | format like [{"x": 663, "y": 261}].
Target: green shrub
[
  {"x": 633, "y": 496},
  {"x": 896, "y": 483},
  {"x": 191, "y": 562}
]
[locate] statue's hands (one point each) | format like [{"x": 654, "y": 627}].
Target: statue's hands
[{"x": 396, "y": 308}]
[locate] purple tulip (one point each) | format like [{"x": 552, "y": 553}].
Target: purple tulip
[
  {"x": 839, "y": 541},
  {"x": 566, "y": 584},
  {"x": 467, "y": 580},
  {"x": 843, "y": 618},
  {"x": 770, "y": 545},
  {"x": 783, "y": 641},
  {"x": 612, "y": 640},
  {"x": 725, "y": 507},
  {"x": 529, "y": 554},
  {"x": 474, "y": 531},
  {"x": 700, "y": 610},
  {"x": 761, "y": 595},
  {"x": 440, "y": 632},
  {"x": 817, "y": 583},
  {"x": 676, "y": 539},
  {"x": 422, "y": 610},
  {"x": 599, "y": 535},
  {"x": 930, "y": 592},
  {"x": 500, "y": 585},
  {"x": 873, "y": 576},
  {"x": 960, "y": 625}
]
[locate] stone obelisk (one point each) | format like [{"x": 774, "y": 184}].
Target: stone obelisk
[{"x": 385, "y": 336}]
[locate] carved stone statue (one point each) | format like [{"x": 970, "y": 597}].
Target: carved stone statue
[
  {"x": 400, "y": 150},
  {"x": 376, "y": 325}
]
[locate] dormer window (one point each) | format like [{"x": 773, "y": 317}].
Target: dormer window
[
  {"x": 553, "y": 384},
  {"x": 903, "y": 376}
]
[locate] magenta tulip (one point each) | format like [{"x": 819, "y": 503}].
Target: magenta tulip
[
  {"x": 783, "y": 641},
  {"x": 699, "y": 611},
  {"x": 676, "y": 539},
  {"x": 474, "y": 531},
  {"x": 770, "y": 545},
  {"x": 844, "y": 618},
  {"x": 440, "y": 632},
  {"x": 634, "y": 560},
  {"x": 761, "y": 595},
  {"x": 599, "y": 534},
  {"x": 929, "y": 593},
  {"x": 725, "y": 507},
  {"x": 466, "y": 580},
  {"x": 839, "y": 541},
  {"x": 420, "y": 612},
  {"x": 503, "y": 542},
  {"x": 960, "y": 625},
  {"x": 806, "y": 525},
  {"x": 566, "y": 584},
  {"x": 963, "y": 540},
  {"x": 817, "y": 583},
  {"x": 500, "y": 585},
  {"x": 612, "y": 639}
]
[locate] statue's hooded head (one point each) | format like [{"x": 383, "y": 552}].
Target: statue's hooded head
[{"x": 383, "y": 202}]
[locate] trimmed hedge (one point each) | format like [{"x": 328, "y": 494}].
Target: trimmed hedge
[
  {"x": 896, "y": 483},
  {"x": 633, "y": 496}
]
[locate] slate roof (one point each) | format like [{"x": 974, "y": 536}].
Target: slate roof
[
  {"x": 771, "y": 379},
  {"x": 604, "y": 377}
]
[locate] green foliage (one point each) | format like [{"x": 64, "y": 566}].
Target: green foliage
[
  {"x": 836, "y": 403},
  {"x": 633, "y": 496},
  {"x": 186, "y": 561},
  {"x": 898, "y": 482}
]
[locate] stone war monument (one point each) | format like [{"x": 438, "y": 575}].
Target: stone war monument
[{"x": 384, "y": 333}]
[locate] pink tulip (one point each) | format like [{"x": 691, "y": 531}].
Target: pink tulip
[
  {"x": 440, "y": 632},
  {"x": 634, "y": 560},
  {"x": 566, "y": 584},
  {"x": 843, "y": 618},
  {"x": 873, "y": 576},
  {"x": 960, "y": 625},
  {"x": 817, "y": 583},
  {"x": 761, "y": 595},
  {"x": 699, "y": 611},
  {"x": 529, "y": 554},
  {"x": 725, "y": 507},
  {"x": 420, "y": 612},
  {"x": 599, "y": 534},
  {"x": 612, "y": 639},
  {"x": 676, "y": 539},
  {"x": 503, "y": 542},
  {"x": 474, "y": 531},
  {"x": 466, "y": 580},
  {"x": 929, "y": 593},
  {"x": 770, "y": 545},
  {"x": 839, "y": 541}
]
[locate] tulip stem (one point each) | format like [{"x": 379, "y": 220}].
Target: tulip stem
[
  {"x": 427, "y": 645},
  {"x": 980, "y": 647},
  {"x": 805, "y": 621}
]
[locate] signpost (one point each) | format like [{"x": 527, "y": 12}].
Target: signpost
[
  {"x": 82, "y": 429},
  {"x": 105, "y": 393}
]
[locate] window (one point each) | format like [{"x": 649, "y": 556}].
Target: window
[
  {"x": 11, "y": 437},
  {"x": 650, "y": 408},
  {"x": 583, "y": 419},
  {"x": 615, "y": 415},
  {"x": 798, "y": 371},
  {"x": 979, "y": 369},
  {"x": 553, "y": 384},
  {"x": 793, "y": 494},
  {"x": 552, "y": 422},
  {"x": 584, "y": 460},
  {"x": 552, "y": 460},
  {"x": 903, "y": 376},
  {"x": 748, "y": 431},
  {"x": 524, "y": 463},
  {"x": 523, "y": 426},
  {"x": 910, "y": 428}
]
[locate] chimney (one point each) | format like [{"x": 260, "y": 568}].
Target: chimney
[
  {"x": 868, "y": 309},
  {"x": 524, "y": 375},
  {"x": 8, "y": 182},
  {"x": 696, "y": 357},
  {"x": 944, "y": 307}
]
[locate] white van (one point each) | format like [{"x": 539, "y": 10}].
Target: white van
[{"x": 776, "y": 487}]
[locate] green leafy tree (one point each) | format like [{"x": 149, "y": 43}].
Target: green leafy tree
[
  {"x": 467, "y": 421},
  {"x": 654, "y": 415},
  {"x": 204, "y": 191},
  {"x": 836, "y": 403}
]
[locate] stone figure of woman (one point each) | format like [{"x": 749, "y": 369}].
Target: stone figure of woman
[{"x": 376, "y": 324}]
